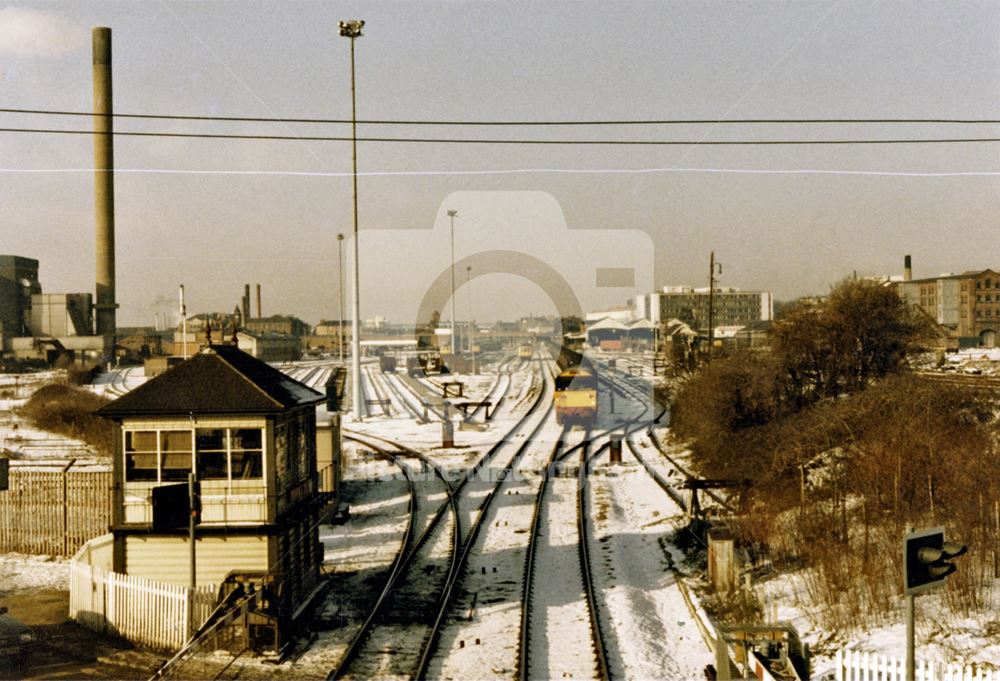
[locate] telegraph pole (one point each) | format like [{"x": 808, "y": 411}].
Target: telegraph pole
[{"x": 711, "y": 301}]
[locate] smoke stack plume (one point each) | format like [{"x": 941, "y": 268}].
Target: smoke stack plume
[
  {"x": 907, "y": 269},
  {"x": 104, "y": 187}
]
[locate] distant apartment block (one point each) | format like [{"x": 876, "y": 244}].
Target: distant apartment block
[{"x": 730, "y": 306}]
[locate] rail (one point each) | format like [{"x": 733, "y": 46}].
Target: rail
[{"x": 474, "y": 532}]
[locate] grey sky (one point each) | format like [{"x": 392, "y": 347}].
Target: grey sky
[{"x": 794, "y": 234}]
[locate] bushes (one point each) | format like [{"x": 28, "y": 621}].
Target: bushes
[
  {"x": 69, "y": 411},
  {"x": 845, "y": 449},
  {"x": 836, "y": 485}
]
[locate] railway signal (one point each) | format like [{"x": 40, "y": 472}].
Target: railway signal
[
  {"x": 926, "y": 557},
  {"x": 926, "y": 564}
]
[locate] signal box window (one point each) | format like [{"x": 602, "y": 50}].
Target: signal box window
[
  {"x": 211, "y": 454},
  {"x": 175, "y": 448},
  {"x": 247, "y": 453},
  {"x": 140, "y": 456}
]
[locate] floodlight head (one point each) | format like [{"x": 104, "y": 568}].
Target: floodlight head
[
  {"x": 340, "y": 237},
  {"x": 452, "y": 213},
  {"x": 351, "y": 28}
]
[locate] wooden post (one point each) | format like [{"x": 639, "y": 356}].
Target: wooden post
[
  {"x": 996, "y": 539},
  {"x": 615, "y": 451},
  {"x": 65, "y": 510},
  {"x": 930, "y": 494},
  {"x": 721, "y": 559}
]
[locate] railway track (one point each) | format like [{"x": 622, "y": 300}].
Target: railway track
[
  {"x": 537, "y": 632},
  {"x": 394, "y": 631},
  {"x": 391, "y": 386},
  {"x": 630, "y": 388},
  {"x": 495, "y": 395},
  {"x": 420, "y": 397},
  {"x": 586, "y": 566},
  {"x": 481, "y": 512},
  {"x": 540, "y": 624},
  {"x": 386, "y": 645},
  {"x": 973, "y": 381},
  {"x": 375, "y": 393}
]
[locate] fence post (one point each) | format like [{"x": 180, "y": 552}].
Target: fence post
[
  {"x": 838, "y": 669},
  {"x": 65, "y": 507},
  {"x": 109, "y": 601}
]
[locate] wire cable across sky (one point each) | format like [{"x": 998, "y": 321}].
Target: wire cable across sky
[
  {"x": 500, "y": 141},
  {"x": 514, "y": 123}
]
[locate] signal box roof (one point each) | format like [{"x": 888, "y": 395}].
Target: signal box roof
[{"x": 221, "y": 379}]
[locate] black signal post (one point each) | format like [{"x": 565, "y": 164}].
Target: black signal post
[{"x": 926, "y": 563}]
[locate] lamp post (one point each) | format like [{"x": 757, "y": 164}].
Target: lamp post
[
  {"x": 340, "y": 286},
  {"x": 452, "y": 214},
  {"x": 352, "y": 29},
  {"x": 472, "y": 348}
]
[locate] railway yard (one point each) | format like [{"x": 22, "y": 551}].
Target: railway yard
[{"x": 518, "y": 552}]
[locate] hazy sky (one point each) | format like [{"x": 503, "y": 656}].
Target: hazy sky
[{"x": 792, "y": 233}]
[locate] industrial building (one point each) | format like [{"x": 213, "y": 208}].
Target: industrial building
[
  {"x": 284, "y": 324},
  {"x": 966, "y": 304},
  {"x": 48, "y": 327},
  {"x": 70, "y": 327},
  {"x": 269, "y": 346},
  {"x": 18, "y": 282}
]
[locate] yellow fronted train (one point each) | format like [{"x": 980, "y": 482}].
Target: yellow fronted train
[{"x": 576, "y": 395}]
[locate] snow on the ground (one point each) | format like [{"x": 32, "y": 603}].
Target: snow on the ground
[
  {"x": 657, "y": 636},
  {"x": 481, "y": 638},
  {"x": 19, "y": 572},
  {"x": 29, "y": 447},
  {"x": 653, "y": 633},
  {"x": 975, "y": 354},
  {"x": 941, "y": 636},
  {"x": 561, "y": 641}
]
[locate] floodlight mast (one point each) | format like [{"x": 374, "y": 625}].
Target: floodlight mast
[
  {"x": 352, "y": 29},
  {"x": 452, "y": 214},
  {"x": 340, "y": 287}
]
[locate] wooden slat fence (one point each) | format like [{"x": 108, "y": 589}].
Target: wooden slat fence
[
  {"x": 853, "y": 665},
  {"x": 53, "y": 512},
  {"x": 140, "y": 610}
]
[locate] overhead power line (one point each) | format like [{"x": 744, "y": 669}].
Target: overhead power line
[
  {"x": 584, "y": 142},
  {"x": 596, "y": 122},
  {"x": 519, "y": 171}
]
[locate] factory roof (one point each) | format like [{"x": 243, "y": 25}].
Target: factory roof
[
  {"x": 221, "y": 379},
  {"x": 606, "y": 323},
  {"x": 968, "y": 274},
  {"x": 640, "y": 323}
]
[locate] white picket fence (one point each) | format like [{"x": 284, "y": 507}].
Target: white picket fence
[
  {"x": 852, "y": 665},
  {"x": 140, "y": 610}
]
